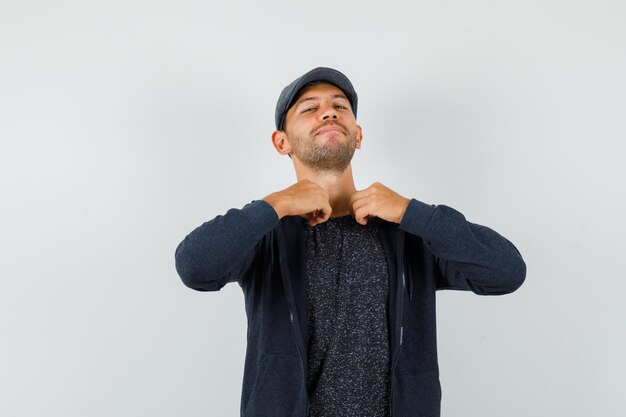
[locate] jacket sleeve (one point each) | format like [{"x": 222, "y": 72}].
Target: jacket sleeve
[
  {"x": 469, "y": 256},
  {"x": 223, "y": 249}
]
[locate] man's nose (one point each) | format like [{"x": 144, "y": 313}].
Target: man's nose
[{"x": 329, "y": 113}]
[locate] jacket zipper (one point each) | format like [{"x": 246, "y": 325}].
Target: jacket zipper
[
  {"x": 400, "y": 316},
  {"x": 400, "y": 302},
  {"x": 296, "y": 332},
  {"x": 304, "y": 371}
]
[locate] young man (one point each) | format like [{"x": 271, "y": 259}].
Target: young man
[{"x": 340, "y": 284}]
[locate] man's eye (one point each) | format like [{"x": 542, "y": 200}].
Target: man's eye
[
  {"x": 309, "y": 109},
  {"x": 342, "y": 107}
]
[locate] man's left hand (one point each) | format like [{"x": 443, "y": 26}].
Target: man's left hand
[{"x": 378, "y": 201}]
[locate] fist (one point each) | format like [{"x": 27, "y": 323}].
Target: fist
[
  {"x": 378, "y": 201},
  {"x": 305, "y": 198}
]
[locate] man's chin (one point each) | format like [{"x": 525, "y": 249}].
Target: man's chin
[
  {"x": 331, "y": 138},
  {"x": 329, "y": 164}
]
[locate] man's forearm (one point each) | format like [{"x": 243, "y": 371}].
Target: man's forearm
[{"x": 215, "y": 252}]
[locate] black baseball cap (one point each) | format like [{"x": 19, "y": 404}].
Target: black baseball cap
[{"x": 315, "y": 76}]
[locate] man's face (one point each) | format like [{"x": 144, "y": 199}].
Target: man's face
[{"x": 321, "y": 128}]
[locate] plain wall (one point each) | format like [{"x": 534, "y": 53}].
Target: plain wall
[{"x": 126, "y": 124}]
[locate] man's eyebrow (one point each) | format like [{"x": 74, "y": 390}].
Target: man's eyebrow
[{"x": 334, "y": 96}]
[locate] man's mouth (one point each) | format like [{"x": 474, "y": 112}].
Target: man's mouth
[{"x": 328, "y": 129}]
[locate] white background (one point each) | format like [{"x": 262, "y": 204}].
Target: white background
[{"x": 126, "y": 124}]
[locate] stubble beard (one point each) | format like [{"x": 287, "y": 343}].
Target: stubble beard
[{"x": 326, "y": 158}]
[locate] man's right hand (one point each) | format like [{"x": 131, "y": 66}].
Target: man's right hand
[{"x": 305, "y": 198}]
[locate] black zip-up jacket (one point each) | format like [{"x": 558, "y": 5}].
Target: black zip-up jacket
[{"x": 434, "y": 247}]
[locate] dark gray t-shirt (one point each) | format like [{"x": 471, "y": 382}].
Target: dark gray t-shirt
[{"x": 348, "y": 340}]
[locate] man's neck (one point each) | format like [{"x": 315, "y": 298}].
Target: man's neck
[{"x": 338, "y": 185}]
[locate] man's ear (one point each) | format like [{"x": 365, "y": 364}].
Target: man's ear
[
  {"x": 359, "y": 136},
  {"x": 281, "y": 143}
]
